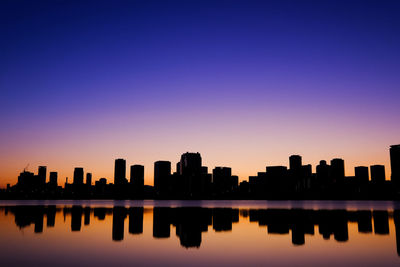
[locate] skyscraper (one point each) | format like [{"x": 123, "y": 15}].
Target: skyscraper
[
  {"x": 221, "y": 179},
  {"x": 361, "y": 174},
  {"x": 162, "y": 173},
  {"x": 53, "y": 178},
  {"x": 297, "y": 174},
  {"x": 120, "y": 171},
  {"x": 42, "y": 174},
  {"x": 337, "y": 170},
  {"x": 395, "y": 164},
  {"x": 78, "y": 176},
  {"x": 137, "y": 176},
  {"x": 323, "y": 173},
  {"x": 378, "y": 174},
  {"x": 191, "y": 172},
  {"x": 88, "y": 178},
  {"x": 295, "y": 162},
  {"x": 190, "y": 164}
]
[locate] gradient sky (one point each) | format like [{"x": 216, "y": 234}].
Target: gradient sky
[{"x": 245, "y": 83}]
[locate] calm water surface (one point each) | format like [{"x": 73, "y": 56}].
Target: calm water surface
[{"x": 201, "y": 233}]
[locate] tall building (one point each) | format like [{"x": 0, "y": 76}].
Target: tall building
[
  {"x": 191, "y": 171},
  {"x": 361, "y": 174},
  {"x": 78, "y": 176},
  {"x": 323, "y": 173},
  {"x": 120, "y": 171},
  {"x": 88, "y": 178},
  {"x": 275, "y": 181},
  {"x": 395, "y": 164},
  {"x": 190, "y": 164},
  {"x": 297, "y": 174},
  {"x": 137, "y": 175},
  {"x": 337, "y": 170},
  {"x": 221, "y": 179},
  {"x": 162, "y": 173},
  {"x": 306, "y": 170},
  {"x": 378, "y": 174},
  {"x": 53, "y": 178},
  {"x": 295, "y": 162},
  {"x": 42, "y": 174},
  {"x": 26, "y": 179}
]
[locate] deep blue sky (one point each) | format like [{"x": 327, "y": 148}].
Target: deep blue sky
[{"x": 206, "y": 65}]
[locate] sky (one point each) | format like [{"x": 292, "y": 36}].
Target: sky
[{"x": 245, "y": 83}]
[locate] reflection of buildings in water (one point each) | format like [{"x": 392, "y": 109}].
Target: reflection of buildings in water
[
  {"x": 223, "y": 218},
  {"x": 136, "y": 220},
  {"x": 333, "y": 222},
  {"x": 76, "y": 218},
  {"x": 190, "y": 223},
  {"x": 51, "y": 216},
  {"x": 381, "y": 222},
  {"x": 119, "y": 215},
  {"x": 161, "y": 222},
  {"x": 396, "y": 218},
  {"x": 86, "y": 214},
  {"x": 364, "y": 220},
  {"x": 100, "y": 213}
]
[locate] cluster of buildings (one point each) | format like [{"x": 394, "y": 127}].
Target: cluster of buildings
[
  {"x": 192, "y": 180},
  {"x": 329, "y": 180}
]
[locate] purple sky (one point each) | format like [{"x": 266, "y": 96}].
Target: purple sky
[{"x": 245, "y": 83}]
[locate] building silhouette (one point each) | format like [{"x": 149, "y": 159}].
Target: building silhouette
[
  {"x": 190, "y": 170},
  {"x": 137, "y": 178},
  {"x": 361, "y": 174},
  {"x": 120, "y": 172},
  {"x": 162, "y": 174},
  {"x": 324, "y": 174},
  {"x": 378, "y": 174},
  {"x": 78, "y": 176},
  {"x": 222, "y": 180},
  {"x": 337, "y": 170},
  {"x": 295, "y": 162},
  {"x": 277, "y": 181},
  {"x": 42, "y": 170},
  {"x": 192, "y": 181},
  {"x": 395, "y": 165},
  {"x": 88, "y": 179},
  {"x": 53, "y": 179}
]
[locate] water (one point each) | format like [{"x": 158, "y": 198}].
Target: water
[{"x": 199, "y": 233}]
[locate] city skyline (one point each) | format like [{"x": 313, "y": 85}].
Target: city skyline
[
  {"x": 247, "y": 83},
  {"x": 125, "y": 170},
  {"x": 193, "y": 180},
  {"x": 200, "y": 132}
]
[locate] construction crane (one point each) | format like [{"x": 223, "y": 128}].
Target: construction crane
[{"x": 26, "y": 168}]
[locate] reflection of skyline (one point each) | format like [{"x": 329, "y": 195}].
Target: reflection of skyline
[{"x": 190, "y": 223}]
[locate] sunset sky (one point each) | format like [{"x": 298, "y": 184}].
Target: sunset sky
[{"x": 245, "y": 83}]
